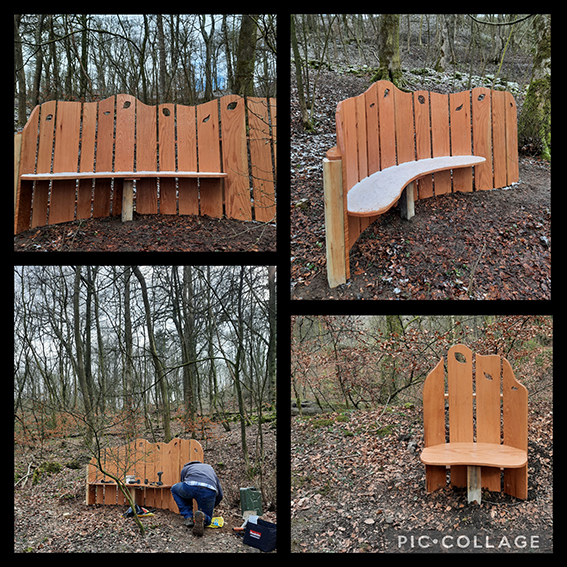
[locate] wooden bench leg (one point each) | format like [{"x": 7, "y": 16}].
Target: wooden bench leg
[
  {"x": 127, "y": 200},
  {"x": 407, "y": 209},
  {"x": 474, "y": 492},
  {"x": 334, "y": 222}
]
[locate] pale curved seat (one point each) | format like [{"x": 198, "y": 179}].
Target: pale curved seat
[
  {"x": 378, "y": 192},
  {"x": 475, "y": 454}
]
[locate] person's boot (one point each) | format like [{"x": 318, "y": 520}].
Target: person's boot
[
  {"x": 199, "y": 526},
  {"x": 189, "y": 522}
]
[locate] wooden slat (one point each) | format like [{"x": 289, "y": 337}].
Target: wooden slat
[
  {"x": 208, "y": 150},
  {"x": 125, "y": 175},
  {"x": 423, "y": 139},
  {"x": 460, "y": 106},
  {"x": 187, "y": 159},
  {"x": 512, "y": 167},
  {"x": 440, "y": 140},
  {"x": 487, "y": 405},
  {"x": 372, "y": 129},
  {"x": 88, "y": 142},
  {"x": 235, "y": 156},
  {"x": 482, "y": 136},
  {"x": 167, "y": 155},
  {"x": 104, "y": 156},
  {"x": 261, "y": 161},
  {"x": 499, "y": 138}
]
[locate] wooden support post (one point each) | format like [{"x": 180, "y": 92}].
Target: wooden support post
[
  {"x": 474, "y": 492},
  {"x": 407, "y": 209},
  {"x": 17, "y": 155},
  {"x": 334, "y": 218},
  {"x": 127, "y": 200}
]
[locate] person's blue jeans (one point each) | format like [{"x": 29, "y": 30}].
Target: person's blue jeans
[{"x": 183, "y": 495}]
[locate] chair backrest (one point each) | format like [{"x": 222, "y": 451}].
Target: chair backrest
[
  {"x": 384, "y": 126},
  {"x": 487, "y": 406},
  {"x": 121, "y": 133}
]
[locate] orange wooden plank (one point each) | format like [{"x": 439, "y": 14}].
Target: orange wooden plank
[
  {"x": 261, "y": 160},
  {"x": 187, "y": 159},
  {"x": 461, "y": 139},
  {"x": 512, "y": 167},
  {"x": 423, "y": 140},
  {"x": 88, "y": 137},
  {"x": 440, "y": 139},
  {"x": 235, "y": 155},
  {"x": 404, "y": 126},
  {"x": 387, "y": 124},
  {"x": 482, "y": 136},
  {"x": 372, "y": 129},
  {"x": 105, "y": 135},
  {"x": 167, "y": 154},
  {"x": 208, "y": 151},
  {"x": 125, "y": 133},
  {"x": 146, "y": 158},
  {"x": 499, "y": 138}
]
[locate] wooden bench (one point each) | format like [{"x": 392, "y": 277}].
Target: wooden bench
[
  {"x": 394, "y": 146},
  {"x": 144, "y": 461},
  {"x": 67, "y": 148},
  {"x": 487, "y": 429}
]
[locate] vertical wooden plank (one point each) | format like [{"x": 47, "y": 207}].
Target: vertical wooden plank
[
  {"x": 208, "y": 151},
  {"x": 387, "y": 124},
  {"x": 405, "y": 135},
  {"x": 125, "y": 132},
  {"x": 187, "y": 160},
  {"x": 487, "y": 383},
  {"x": 482, "y": 137},
  {"x": 422, "y": 140},
  {"x": 334, "y": 221},
  {"x": 499, "y": 138},
  {"x": 261, "y": 160},
  {"x": 440, "y": 139},
  {"x": 460, "y": 404},
  {"x": 88, "y": 141},
  {"x": 27, "y": 159},
  {"x": 434, "y": 422},
  {"x": 235, "y": 154},
  {"x": 146, "y": 158},
  {"x": 461, "y": 137},
  {"x": 513, "y": 174},
  {"x": 65, "y": 159},
  {"x": 515, "y": 417},
  {"x": 372, "y": 129},
  {"x": 167, "y": 154},
  {"x": 104, "y": 156}
]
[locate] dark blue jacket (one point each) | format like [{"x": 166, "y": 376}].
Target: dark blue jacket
[{"x": 200, "y": 472}]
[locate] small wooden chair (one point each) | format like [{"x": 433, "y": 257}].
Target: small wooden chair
[{"x": 488, "y": 425}]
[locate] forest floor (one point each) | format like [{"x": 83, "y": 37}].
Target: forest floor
[
  {"x": 150, "y": 233},
  {"x": 482, "y": 245},
  {"x": 51, "y": 516},
  {"x": 357, "y": 484}
]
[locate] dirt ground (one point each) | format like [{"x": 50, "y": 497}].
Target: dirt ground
[
  {"x": 51, "y": 516},
  {"x": 358, "y": 486},
  {"x": 150, "y": 233},
  {"x": 482, "y": 245}
]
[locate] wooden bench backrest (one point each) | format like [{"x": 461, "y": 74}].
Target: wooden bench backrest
[
  {"x": 122, "y": 134},
  {"x": 384, "y": 126},
  {"x": 143, "y": 460},
  {"x": 477, "y": 411}
]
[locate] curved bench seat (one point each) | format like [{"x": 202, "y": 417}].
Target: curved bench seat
[
  {"x": 119, "y": 174},
  {"x": 377, "y": 193},
  {"x": 475, "y": 454}
]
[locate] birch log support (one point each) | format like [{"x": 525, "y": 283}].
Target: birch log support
[
  {"x": 407, "y": 209},
  {"x": 474, "y": 493},
  {"x": 334, "y": 219},
  {"x": 128, "y": 200}
]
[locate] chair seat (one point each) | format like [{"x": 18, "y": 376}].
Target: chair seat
[
  {"x": 377, "y": 193},
  {"x": 475, "y": 454}
]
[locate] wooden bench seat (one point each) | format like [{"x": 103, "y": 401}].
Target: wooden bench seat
[
  {"x": 476, "y": 454},
  {"x": 121, "y": 175},
  {"x": 377, "y": 193}
]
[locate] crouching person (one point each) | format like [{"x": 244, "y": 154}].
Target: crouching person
[{"x": 200, "y": 482}]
